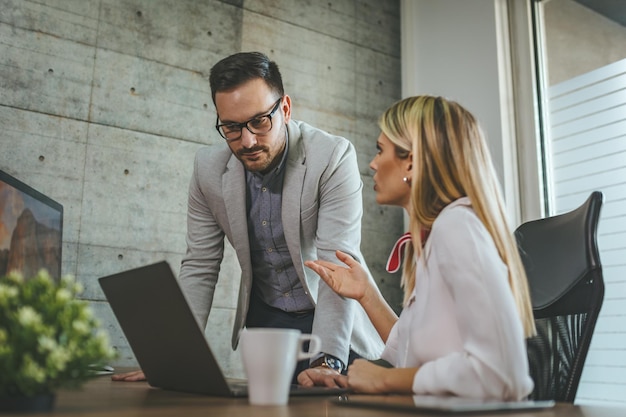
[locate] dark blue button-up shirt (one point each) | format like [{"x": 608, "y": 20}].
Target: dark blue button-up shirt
[{"x": 274, "y": 277}]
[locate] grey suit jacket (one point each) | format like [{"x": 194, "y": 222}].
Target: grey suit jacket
[{"x": 321, "y": 212}]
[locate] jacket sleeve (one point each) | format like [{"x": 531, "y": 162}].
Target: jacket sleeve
[
  {"x": 205, "y": 249},
  {"x": 338, "y": 227}
]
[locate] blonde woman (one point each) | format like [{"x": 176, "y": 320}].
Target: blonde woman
[{"x": 466, "y": 309}]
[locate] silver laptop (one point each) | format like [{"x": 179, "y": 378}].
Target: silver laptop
[
  {"x": 165, "y": 337},
  {"x": 435, "y": 404}
]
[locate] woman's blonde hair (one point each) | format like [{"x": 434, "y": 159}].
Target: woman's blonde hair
[{"x": 451, "y": 160}]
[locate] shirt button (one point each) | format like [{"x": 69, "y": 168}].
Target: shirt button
[
  {"x": 264, "y": 222},
  {"x": 264, "y": 189},
  {"x": 270, "y": 250},
  {"x": 287, "y": 294}
]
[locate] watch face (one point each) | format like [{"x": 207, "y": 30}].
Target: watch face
[
  {"x": 329, "y": 361},
  {"x": 334, "y": 363}
]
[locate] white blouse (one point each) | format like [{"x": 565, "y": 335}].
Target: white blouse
[{"x": 461, "y": 327}]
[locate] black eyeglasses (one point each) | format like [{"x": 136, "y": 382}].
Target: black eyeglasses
[{"x": 258, "y": 125}]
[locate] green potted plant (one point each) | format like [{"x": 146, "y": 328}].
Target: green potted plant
[{"x": 49, "y": 339}]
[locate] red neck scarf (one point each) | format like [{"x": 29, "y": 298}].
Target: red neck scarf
[{"x": 395, "y": 257}]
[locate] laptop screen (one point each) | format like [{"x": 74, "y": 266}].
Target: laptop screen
[{"x": 31, "y": 228}]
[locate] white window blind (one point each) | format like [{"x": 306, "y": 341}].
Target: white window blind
[{"x": 587, "y": 149}]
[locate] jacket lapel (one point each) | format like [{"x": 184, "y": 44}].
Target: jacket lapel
[
  {"x": 292, "y": 195},
  {"x": 234, "y": 186}
]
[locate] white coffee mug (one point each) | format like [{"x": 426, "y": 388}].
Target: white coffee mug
[{"x": 269, "y": 359}]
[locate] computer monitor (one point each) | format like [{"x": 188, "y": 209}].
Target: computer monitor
[{"x": 31, "y": 229}]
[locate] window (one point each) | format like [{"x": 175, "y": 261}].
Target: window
[{"x": 582, "y": 95}]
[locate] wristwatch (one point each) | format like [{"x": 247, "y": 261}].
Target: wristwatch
[{"x": 328, "y": 361}]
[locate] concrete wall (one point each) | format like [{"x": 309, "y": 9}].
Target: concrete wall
[{"x": 103, "y": 104}]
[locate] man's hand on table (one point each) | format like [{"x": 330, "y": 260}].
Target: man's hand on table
[
  {"x": 133, "y": 376},
  {"x": 322, "y": 377}
]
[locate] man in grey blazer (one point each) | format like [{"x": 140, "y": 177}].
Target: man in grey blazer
[{"x": 281, "y": 192}]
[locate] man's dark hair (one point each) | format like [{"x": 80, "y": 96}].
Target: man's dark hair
[{"x": 242, "y": 67}]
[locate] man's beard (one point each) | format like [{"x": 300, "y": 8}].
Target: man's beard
[{"x": 265, "y": 161}]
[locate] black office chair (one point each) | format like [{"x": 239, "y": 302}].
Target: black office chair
[{"x": 560, "y": 255}]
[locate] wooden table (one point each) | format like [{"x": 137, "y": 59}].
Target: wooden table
[{"x": 103, "y": 397}]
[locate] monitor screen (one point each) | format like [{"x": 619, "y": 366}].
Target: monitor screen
[{"x": 31, "y": 229}]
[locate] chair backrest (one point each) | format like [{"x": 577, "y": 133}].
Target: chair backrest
[{"x": 560, "y": 255}]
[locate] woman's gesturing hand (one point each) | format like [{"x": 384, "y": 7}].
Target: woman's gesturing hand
[{"x": 352, "y": 282}]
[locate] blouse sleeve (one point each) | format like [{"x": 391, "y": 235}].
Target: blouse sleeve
[
  {"x": 390, "y": 353},
  {"x": 493, "y": 361}
]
